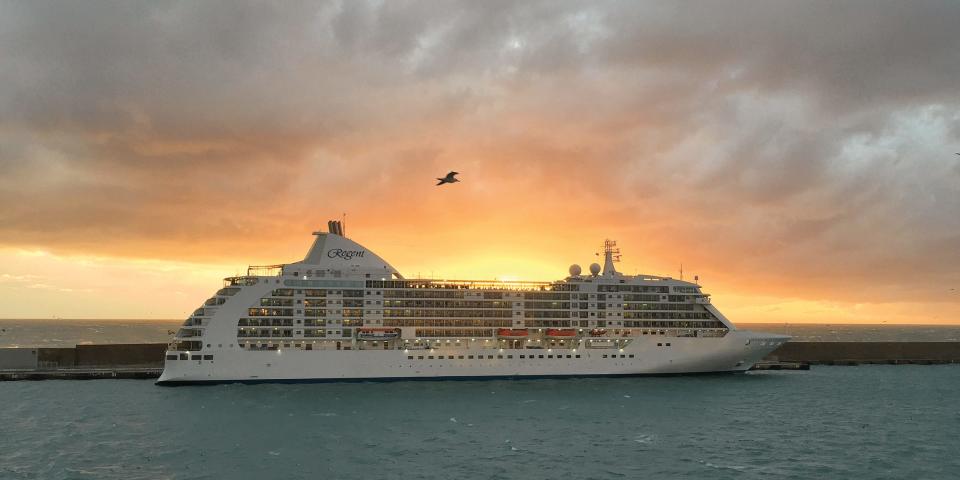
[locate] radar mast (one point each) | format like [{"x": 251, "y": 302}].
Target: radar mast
[{"x": 611, "y": 255}]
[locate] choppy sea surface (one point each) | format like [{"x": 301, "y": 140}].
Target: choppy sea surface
[
  {"x": 66, "y": 333},
  {"x": 866, "y": 422}
]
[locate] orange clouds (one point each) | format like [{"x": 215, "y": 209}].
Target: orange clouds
[{"x": 800, "y": 153}]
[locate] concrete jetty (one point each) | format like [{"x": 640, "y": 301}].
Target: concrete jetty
[
  {"x": 83, "y": 362},
  {"x": 145, "y": 360},
  {"x": 856, "y": 353}
]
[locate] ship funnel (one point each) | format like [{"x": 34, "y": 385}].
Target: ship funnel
[{"x": 335, "y": 227}]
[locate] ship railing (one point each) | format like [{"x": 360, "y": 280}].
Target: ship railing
[
  {"x": 265, "y": 270},
  {"x": 482, "y": 284},
  {"x": 240, "y": 281}
]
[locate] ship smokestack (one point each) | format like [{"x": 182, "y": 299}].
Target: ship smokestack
[{"x": 335, "y": 227}]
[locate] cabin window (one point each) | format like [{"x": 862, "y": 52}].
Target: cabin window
[{"x": 171, "y": 357}]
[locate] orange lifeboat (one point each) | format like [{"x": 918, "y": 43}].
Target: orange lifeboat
[
  {"x": 509, "y": 332},
  {"x": 562, "y": 333},
  {"x": 598, "y": 332}
]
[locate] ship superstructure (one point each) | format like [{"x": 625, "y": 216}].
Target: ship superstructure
[{"x": 343, "y": 313}]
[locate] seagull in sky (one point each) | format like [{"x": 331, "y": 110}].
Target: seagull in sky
[{"x": 450, "y": 178}]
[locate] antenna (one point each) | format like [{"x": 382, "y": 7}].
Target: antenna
[
  {"x": 610, "y": 246},
  {"x": 681, "y": 271},
  {"x": 611, "y": 255}
]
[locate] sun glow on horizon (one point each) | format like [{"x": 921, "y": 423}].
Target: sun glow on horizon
[{"x": 41, "y": 284}]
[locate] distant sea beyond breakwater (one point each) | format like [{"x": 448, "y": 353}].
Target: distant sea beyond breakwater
[{"x": 67, "y": 333}]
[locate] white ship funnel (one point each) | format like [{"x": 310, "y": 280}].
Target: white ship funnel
[{"x": 332, "y": 251}]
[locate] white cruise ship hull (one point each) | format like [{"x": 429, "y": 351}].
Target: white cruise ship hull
[{"x": 654, "y": 355}]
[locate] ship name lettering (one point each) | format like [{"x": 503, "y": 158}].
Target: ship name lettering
[{"x": 344, "y": 254}]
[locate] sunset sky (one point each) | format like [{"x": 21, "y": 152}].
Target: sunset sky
[{"x": 798, "y": 156}]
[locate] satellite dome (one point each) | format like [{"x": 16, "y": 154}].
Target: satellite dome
[
  {"x": 575, "y": 270},
  {"x": 595, "y": 269}
]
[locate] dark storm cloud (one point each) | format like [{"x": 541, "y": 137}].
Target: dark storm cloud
[{"x": 809, "y": 139}]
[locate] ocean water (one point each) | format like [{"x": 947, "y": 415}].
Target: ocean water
[
  {"x": 867, "y": 422},
  {"x": 67, "y": 333}
]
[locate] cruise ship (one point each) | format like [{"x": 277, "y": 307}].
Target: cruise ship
[{"x": 345, "y": 314}]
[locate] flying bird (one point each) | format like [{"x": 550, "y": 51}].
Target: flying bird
[{"x": 450, "y": 178}]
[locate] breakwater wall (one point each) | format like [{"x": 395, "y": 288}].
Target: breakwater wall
[
  {"x": 106, "y": 356},
  {"x": 853, "y": 353}
]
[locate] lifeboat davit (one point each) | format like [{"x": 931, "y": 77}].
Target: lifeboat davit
[
  {"x": 598, "y": 332},
  {"x": 562, "y": 333},
  {"x": 512, "y": 332},
  {"x": 378, "y": 333}
]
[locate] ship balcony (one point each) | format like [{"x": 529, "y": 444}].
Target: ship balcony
[
  {"x": 242, "y": 281},
  {"x": 704, "y": 300},
  {"x": 189, "y": 333}
]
